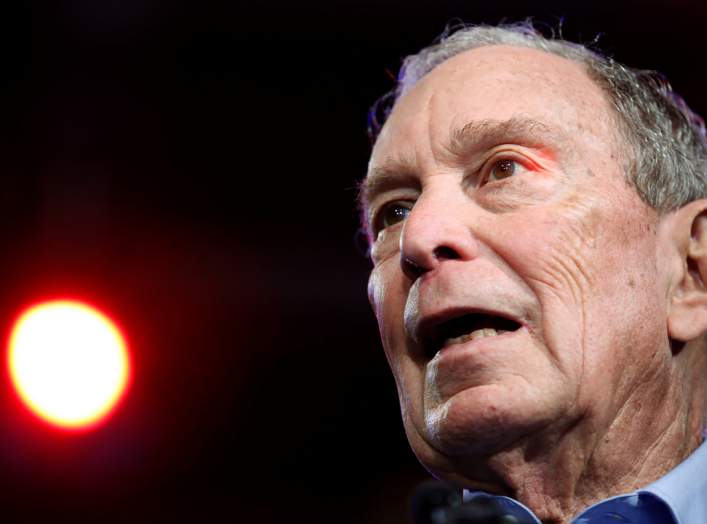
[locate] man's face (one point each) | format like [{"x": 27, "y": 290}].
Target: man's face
[{"x": 516, "y": 280}]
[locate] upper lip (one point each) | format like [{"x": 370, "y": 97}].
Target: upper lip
[{"x": 429, "y": 330}]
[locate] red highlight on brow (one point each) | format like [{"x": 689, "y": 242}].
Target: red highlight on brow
[{"x": 546, "y": 154}]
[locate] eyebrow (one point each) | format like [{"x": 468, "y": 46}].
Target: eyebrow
[
  {"x": 483, "y": 134},
  {"x": 382, "y": 179},
  {"x": 464, "y": 142}
]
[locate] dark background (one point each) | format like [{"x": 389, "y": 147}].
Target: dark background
[{"x": 190, "y": 167}]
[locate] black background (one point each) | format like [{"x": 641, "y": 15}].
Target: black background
[{"x": 190, "y": 167}]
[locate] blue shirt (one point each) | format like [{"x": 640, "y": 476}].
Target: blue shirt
[{"x": 680, "y": 497}]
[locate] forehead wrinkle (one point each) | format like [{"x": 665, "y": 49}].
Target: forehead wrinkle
[{"x": 432, "y": 103}]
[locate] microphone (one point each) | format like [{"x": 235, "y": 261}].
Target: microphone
[{"x": 436, "y": 502}]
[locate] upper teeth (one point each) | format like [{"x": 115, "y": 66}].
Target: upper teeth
[{"x": 477, "y": 333}]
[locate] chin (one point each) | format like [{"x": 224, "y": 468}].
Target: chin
[
  {"x": 465, "y": 470},
  {"x": 483, "y": 420}
]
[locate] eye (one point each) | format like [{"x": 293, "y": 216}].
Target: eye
[
  {"x": 502, "y": 168},
  {"x": 390, "y": 214}
]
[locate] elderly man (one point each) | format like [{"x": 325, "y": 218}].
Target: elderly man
[{"x": 538, "y": 228}]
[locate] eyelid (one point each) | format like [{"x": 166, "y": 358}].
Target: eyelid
[{"x": 499, "y": 155}]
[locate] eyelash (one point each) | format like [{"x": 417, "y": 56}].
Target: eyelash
[
  {"x": 487, "y": 167},
  {"x": 377, "y": 225}
]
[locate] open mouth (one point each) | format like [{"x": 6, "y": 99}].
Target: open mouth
[{"x": 470, "y": 326}]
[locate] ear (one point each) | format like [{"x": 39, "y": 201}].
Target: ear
[{"x": 687, "y": 317}]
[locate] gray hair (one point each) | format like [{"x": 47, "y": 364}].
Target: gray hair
[{"x": 666, "y": 140}]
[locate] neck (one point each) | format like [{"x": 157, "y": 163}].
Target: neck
[{"x": 562, "y": 472}]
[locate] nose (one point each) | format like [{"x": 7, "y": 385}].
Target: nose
[{"x": 434, "y": 232}]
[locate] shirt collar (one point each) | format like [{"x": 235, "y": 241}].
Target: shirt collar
[{"x": 684, "y": 489}]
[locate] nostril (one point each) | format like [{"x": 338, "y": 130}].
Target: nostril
[
  {"x": 445, "y": 253},
  {"x": 412, "y": 270}
]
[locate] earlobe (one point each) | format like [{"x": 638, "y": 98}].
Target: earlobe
[{"x": 687, "y": 319}]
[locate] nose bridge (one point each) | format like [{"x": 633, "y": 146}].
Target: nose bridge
[{"x": 437, "y": 228}]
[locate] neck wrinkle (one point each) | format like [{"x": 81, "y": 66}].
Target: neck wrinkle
[{"x": 560, "y": 478}]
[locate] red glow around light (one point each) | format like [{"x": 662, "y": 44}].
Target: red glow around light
[{"x": 68, "y": 363}]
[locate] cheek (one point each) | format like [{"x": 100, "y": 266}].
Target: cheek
[
  {"x": 375, "y": 291},
  {"x": 387, "y": 296},
  {"x": 388, "y": 292},
  {"x": 594, "y": 275},
  {"x": 580, "y": 251}
]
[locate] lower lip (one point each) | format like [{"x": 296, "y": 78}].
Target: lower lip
[{"x": 474, "y": 345}]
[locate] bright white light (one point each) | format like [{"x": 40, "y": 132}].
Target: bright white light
[{"x": 68, "y": 362}]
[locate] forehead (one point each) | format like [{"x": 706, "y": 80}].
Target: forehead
[{"x": 494, "y": 83}]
